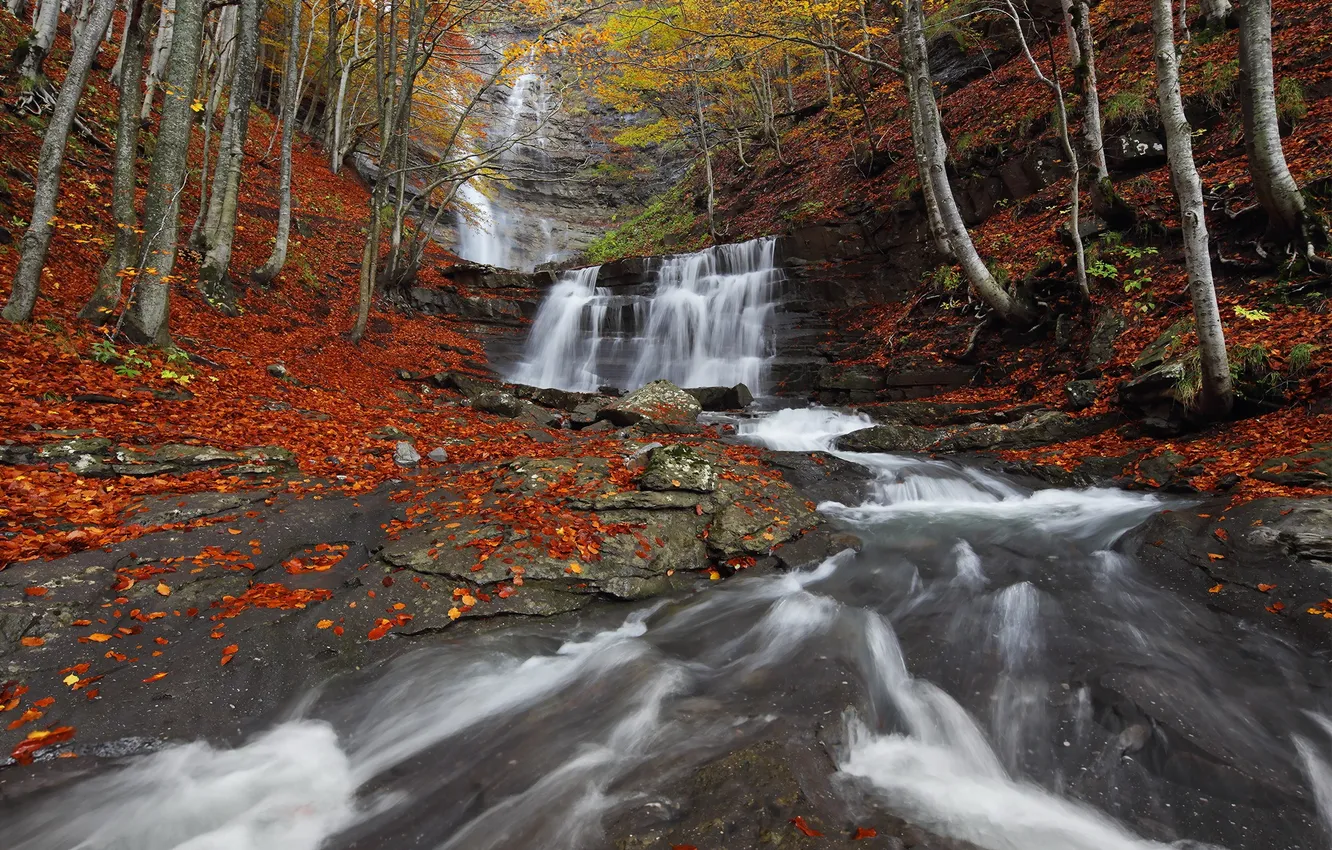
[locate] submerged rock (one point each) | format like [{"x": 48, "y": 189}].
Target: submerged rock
[
  {"x": 887, "y": 438},
  {"x": 737, "y": 397}
]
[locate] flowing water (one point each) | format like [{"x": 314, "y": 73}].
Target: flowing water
[
  {"x": 496, "y": 233},
  {"x": 992, "y": 668},
  {"x": 704, "y": 320}
]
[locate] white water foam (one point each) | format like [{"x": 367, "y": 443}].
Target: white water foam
[
  {"x": 704, "y": 323},
  {"x": 801, "y": 429}
]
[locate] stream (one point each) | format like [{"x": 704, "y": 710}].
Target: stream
[{"x": 970, "y": 669}]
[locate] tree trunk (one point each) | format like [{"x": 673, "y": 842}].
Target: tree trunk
[
  {"x": 916, "y": 62},
  {"x": 1091, "y": 97},
  {"x": 37, "y": 239},
  {"x": 1217, "y": 396},
  {"x": 1071, "y": 33},
  {"x": 17, "y": 8},
  {"x": 219, "y": 231},
  {"x": 39, "y": 44},
  {"x": 1215, "y": 12},
  {"x": 707, "y": 159},
  {"x": 106, "y": 297},
  {"x": 87, "y": 9},
  {"x": 933, "y": 218},
  {"x": 1272, "y": 181},
  {"x": 157, "y": 66},
  {"x": 269, "y": 270},
  {"x": 119, "y": 67},
  {"x": 151, "y": 299}
]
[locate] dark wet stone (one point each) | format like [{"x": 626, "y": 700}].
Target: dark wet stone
[
  {"x": 1081, "y": 394},
  {"x": 737, "y": 397},
  {"x": 887, "y": 438},
  {"x": 1311, "y": 468}
]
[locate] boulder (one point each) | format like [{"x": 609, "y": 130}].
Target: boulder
[
  {"x": 678, "y": 467},
  {"x": 1155, "y": 396},
  {"x": 1110, "y": 323},
  {"x": 510, "y": 406},
  {"x": 737, "y": 397},
  {"x": 659, "y": 401},
  {"x": 404, "y": 454},
  {"x": 1037, "y": 429},
  {"x": 438, "y": 455},
  {"x": 851, "y": 377},
  {"x": 1081, "y": 394},
  {"x": 470, "y": 386},
  {"x": 886, "y": 438},
  {"x": 1310, "y": 468},
  {"x": 1133, "y": 152}
]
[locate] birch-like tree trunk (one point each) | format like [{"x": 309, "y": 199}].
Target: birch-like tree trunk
[
  {"x": 1066, "y": 140},
  {"x": 1217, "y": 395},
  {"x": 17, "y": 8},
  {"x": 106, "y": 296},
  {"x": 118, "y": 68},
  {"x": 1092, "y": 127},
  {"x": 269, "y": 270},
  {"x": 39, "y": 44},
  {"x": 337, "y": 150},
  {"x": 157, "y": 66},
  {"x": 707, "y": 158},
  {"x": 219, "y": 230},
  {"x": 933, "y": 218},
  {"x": 37, "y": 240},
  {"x": 1272, "y": 181},
  {"x": 915, "y": 61},
  {"x": 150, "y": 304}
]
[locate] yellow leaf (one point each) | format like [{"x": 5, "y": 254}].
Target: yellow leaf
[
  {"x": 1216, "y": 588},
  {"x": 468, "y": 599},
  {"x": 323, "y": 624},
  {"x": 575, "y": 567},
  {"x": 71, "y": 679},
  {"x": 454, "y": 613},
  {"x": 99, "y": 637},
  {"x": 162, "y": 589},
  {"x": 714, "y": 575}
]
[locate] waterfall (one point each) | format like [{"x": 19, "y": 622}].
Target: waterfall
[
  {"x": 703, "y": 320},
  {"x": 493, "y": 234}
]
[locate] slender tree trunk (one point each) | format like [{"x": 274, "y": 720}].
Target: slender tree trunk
[
  {"x": 37, "y": 239},
  {"x": 106, "y": 297},
  {"x": 219, "y": 231},
  {"x": 157, "y": 66},
  {"x": 150, "y": 306},
  {"x": 81, "y": 22},
  {"x": 1217, "y": 396},
  {"x": 1066, "y": 139},
  {"x": 707, "y": 158},
  {"x": 17, "y": 8},
  {"x": 269, "y": 270},
  {"x": 118, "y": 68},
  {"x": 1272, "y": 180},
  {"x": 385, "y": 71},
  {"x": 1091, "y": 97},
  {"x": 933, "y": 218},
  {"x": 916, "y": 62},
  {"x": 1071, "y": 33},
  {"x": 39, "y": 45}
]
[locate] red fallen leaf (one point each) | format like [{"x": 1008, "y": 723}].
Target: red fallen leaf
[
  {"x": 864, "y": 832},
  {"x": 1216, "y": 588},
  {"x": 35, "y": 591},
  {"x": 379, "y": 631},
  {"x": 45, "y": 702},
  {"x": 1263, "y": 588},
  {"x": 32, "y": 641},
  {"x": 683, "y": 847},
  {"x": 1221, "y": 534},
  {"x": 337, "y": 630},
  {"x": 805, "y": 828},
  {"x": 387, "y": 581},
  {"x": 1276, "y": 607},
  {"x": 39, "y": 738}
]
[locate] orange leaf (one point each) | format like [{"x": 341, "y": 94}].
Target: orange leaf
[
  {"x": 864, "y": 832},
  {"x": 155, "y": 677},
  {"x": 162, "y": 589},
  {"x": 1215, "y": 557},
  {"x": 804, "y": 827},
  {"x": 1263, "y": 588},
  {"x": 99, "y": 637},
  {"x": 1216, "y": 588},
  {"x": 1276, "y": 607},
  {"x": 323, "y": 624},
  {"x": 35, "y": 591},
  {"x": 32, "y": 641}
]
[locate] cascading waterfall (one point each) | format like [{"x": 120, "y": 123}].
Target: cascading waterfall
[
  {"x": 704, "y": 320},
  {"x": 490, "y": 236}
]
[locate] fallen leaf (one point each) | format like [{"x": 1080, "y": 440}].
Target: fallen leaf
[
  {"x": 71, "y": 679},
  {"x": 1215, "y": 557},
  {"x": 99, "y": 637},
  {"x": 454, "y": 613},
  {"x": 1263, "y": 588},
  {"x": 155, "y": 677},
  {"x": 323, "y": 624},
  {"x": 1216, "y": 588},
  {"x": 864, "y": 832},
  {"x": 32, "y": 641},
  {"x": 35, "y": 591},
  {"x": 162, "y": 589},
  {"x": 804, "y": 827}
]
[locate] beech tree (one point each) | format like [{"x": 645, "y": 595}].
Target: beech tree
[
  {"x": 933, "y": 151},
  {"x": 219, "y": 228},
  {"x": 1272, "y": 181},
  {"x": 149, "y": 312},
  {"x": 290, "y": 103},
  {"x": 1217, "y": 394},
  {"x": 38, "y": 45},
  {"x": 37, "y": 239},
  {"x": 125, "y": 244}
]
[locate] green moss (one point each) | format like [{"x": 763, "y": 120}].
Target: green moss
[
  {"x": 1291, "y": 104},
  {"x": 666, "y": 224}
]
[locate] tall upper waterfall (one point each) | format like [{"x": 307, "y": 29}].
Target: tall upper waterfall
[
  {"x": 497, "y": 234},
  {"x": 704, "y": 319}
]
